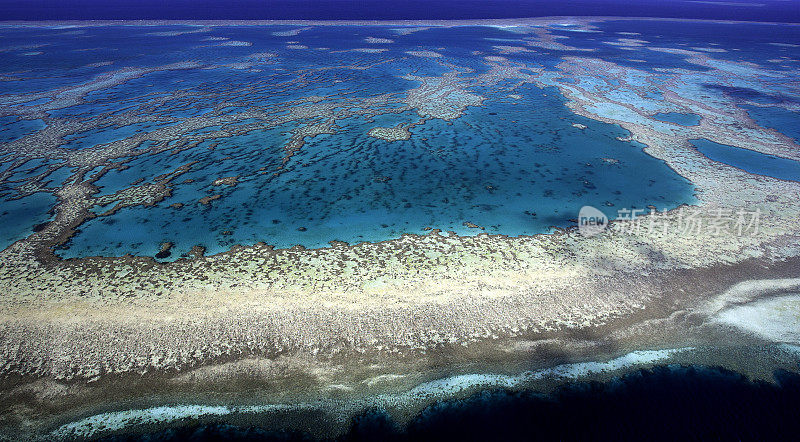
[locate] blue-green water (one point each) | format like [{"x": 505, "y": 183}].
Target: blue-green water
[
  {"x": 18, "y": 216},
  {"x": 749, "y": 160},
  {"x": 517, "y": 172},
  {"x": 513, "y": 166},
  {"x": 12, "y": 128}
]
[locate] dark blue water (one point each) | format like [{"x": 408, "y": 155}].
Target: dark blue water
[
  {"x": 752, "y": 42},
  {"x": 777, "y": 118},
  {"x": 763, "y": 10},
  {"x": 663, "y": 403},
  {"x": 749, "y": 160},
  {"x": 495, "y": 167}
]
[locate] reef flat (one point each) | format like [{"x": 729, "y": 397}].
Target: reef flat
[{"x": 329, "y": 217}]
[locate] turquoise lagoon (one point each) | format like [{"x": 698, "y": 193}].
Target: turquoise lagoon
[
  {"x": 512, "y": 166},
  {"x": 19, "y": 216},
  {"x": 750, "y": 160}
]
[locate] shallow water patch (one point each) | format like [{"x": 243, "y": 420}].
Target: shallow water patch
[
  {"x": 749, "y": 160},
  {"x": 678, "y": 118}
]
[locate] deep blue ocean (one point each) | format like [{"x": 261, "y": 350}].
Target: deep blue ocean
[
  {"x": 748, "y": 10},
  {"x": 674, "y": 403}
]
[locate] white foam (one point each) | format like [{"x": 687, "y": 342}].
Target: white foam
[
  {"x": 458, "y": 384},
  {"x": 236, "y": 43},
  {"x": 440, "y": 388},
  {"x": 581, "y": 369},
  {"x": 120, "y": 419}
]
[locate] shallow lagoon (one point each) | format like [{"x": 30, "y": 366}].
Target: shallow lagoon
[
  {"x": 512, "y": 167},
  {"x": 750, "y": 160},
  {"x": 19, "y": 216}
]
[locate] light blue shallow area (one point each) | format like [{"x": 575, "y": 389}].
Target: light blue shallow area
[
  {"x": 511, "y": 169},
  {"x": 94, "y": 137},
  {"x": 678, "y": 118},
  {"x": 749, "y": 161}
]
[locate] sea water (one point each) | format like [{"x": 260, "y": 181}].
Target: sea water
[
  {"x": 750, "y": 160},
  {"x": 512, "y": 167}
]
